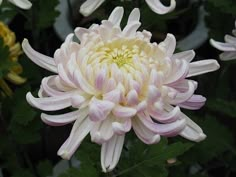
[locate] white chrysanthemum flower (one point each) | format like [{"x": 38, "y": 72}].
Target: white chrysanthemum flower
[
  {"x": 228, "y": 48},
  {"x": 23, "y": 4},
  {"x": 89, "y": 6},
  {"x": 117, "y": 80}
]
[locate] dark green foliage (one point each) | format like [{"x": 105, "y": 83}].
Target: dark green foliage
[
  {"x": 44, "y": 168},
  {"x": 5, "y": 63}
]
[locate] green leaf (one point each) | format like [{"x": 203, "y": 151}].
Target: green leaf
[
  {"x": 222, "y": 106},
  {"x": 43, "y": 14},
  {"x": 23, "y": 173},
  {"x": 147, "y": 158},
  {"x": 87, "y": 171},
  {"x": 226, "y": 6},
  {"x": 45, "y": 168},
  {"x": 219, "y": 140}
]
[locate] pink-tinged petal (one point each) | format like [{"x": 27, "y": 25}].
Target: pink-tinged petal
[
  {"x": 43, "y": 61},
  {"x": 168, "y": 129},
  {"x": 116, "y": 16},
  {"x": 202, "y": 67},
  {"x": 145, "y": 134},
  {"x": 113, "y": 96},
  {"x": 164, "y": 117},
  {"x": 89, "y": 6},
  {"x": 110, "y": 85},
  {"x": 183, "y": 85},
  {"x": 63, "y": 119},
  {"x": 225, "y": 56},
  {"x": 186, "y": 55},
  {"x": 123, "y": 111},
  {"x": 194, "y": 103},
  {"x": 49, "y": 87},
  {"x": 80, "y": 129},
  {"x": 157, "y": 7},
  {"x": 169, "y": 44},
  {"x": 141, "y": 106},
  {"x": 132, "y": 98},
  {"x": 23, "y": 4},
  {"x": 100, "y": 79},
  {"x": 110, "y": 153},
  {"x": 102, "y": 131},
  {"x": 100, "y": 109},
  {"x": 183, "y": 96},
  {"x": 222, "y": 46},
  {"x": 121, "y": 128},
  {"x": 49, "y": 103},
  {"x": 192, "y": 131},
  {"x": 153, "y": 94}
]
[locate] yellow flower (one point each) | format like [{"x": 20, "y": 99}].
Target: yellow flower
[{"x": 9, "y": 40}]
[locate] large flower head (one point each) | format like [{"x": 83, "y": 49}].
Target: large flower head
[
  {"x": 89, "y": 6},
  {"x": 228, "y": 48},
  {"x": 117, "y": 80},
  {"x": 9, "y": 39},
  {"x": 23, "y": 4}
]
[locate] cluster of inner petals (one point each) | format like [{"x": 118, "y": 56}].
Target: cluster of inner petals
[{"x": 119, "y": 80}]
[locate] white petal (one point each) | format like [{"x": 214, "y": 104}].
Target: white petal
[
  {"x": 23, "y": 4},
  {"x": 145, "y": 134},
  {"x": 100, "y": 109},
  {"x": 0, "y": 2},
  {"x": 202, "y": 67},
  {"x": 80, "y": 129},
  {"x": 79, "y": 32},
  {"x": 62, "y": 119},
  {"x": 134, "y": 16},
  {"x": 116, "y": 16},
  {"x": 159, "y": 8},
  {"x": 89, "y": 6},
  {"x": 123, "y": 111},
  {"x": 192, "y": 131},
  {"x": 222, "y": 46},
  {"x": 121, "y": 128},
  {"x": 82, "y": 83},
  {"x": 153, "y": 94},
  {"x": 169, "y": 44},
  {"x": 225, "y": 56},
  {"x": 49, "y": 103},
  {"x": 110, "y": 152},
  {"x": 113, "y": 96},
  {"x": 102, "y": 131},
  {"x": 38, "y": 58},
  {"x": 186, "y": 55},
  {"x": 231, "y": 40}
]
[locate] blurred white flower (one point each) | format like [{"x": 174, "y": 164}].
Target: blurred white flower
[
  {"x": 117, "y": 80},
  {"x": 89, "y": 6},
  {"x": 228, "y": 48},
  {"x": 23, "y": 4}
]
